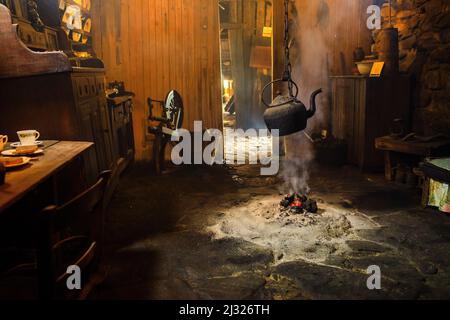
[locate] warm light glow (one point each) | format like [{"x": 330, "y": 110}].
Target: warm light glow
[
  {"x": 227, "y": 89},
  {"x": 267, "y": 32}
]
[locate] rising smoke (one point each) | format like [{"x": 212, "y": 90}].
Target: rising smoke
[
  {"x": 311, "y": 60},
  {"x": 295, "y": 170},
  {"x": 311, "y": 66}
]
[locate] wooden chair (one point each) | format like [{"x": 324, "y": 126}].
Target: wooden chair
[
  {"x": 72, "y": 234},
  {"x": 18, "y": 282}
]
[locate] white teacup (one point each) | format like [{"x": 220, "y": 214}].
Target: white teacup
[
  {"x": 3, "y": 142},
  {"x": 28, "y": 137}
]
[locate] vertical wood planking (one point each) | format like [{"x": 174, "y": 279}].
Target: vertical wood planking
[
  {"x": 277, "y": 43},
  {"x": 151, "y": 30},
  {"x": 163, "y": 45}
]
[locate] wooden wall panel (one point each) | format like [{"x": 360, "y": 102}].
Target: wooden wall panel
[{"x": 159, "y": 45}]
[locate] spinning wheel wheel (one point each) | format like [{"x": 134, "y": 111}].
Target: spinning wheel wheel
[
  {"x": 170, "y": 121},
  {"x": 174, "y": 109}
]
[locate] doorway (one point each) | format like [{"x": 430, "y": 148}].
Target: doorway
[{"x": 246, "y": 62}]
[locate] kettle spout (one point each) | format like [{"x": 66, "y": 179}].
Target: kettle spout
[{"x": 312, "y": 110}]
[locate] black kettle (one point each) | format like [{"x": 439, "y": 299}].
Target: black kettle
[{"x": 289, "y": 115}]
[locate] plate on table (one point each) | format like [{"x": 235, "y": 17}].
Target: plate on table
[
  {"x": 16, "y": 162},
  {"x": 13, "y": 153},
  {"x": 18, "y": 144}
]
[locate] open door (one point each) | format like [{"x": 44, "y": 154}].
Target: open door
[{"x": 246, "y": 51}]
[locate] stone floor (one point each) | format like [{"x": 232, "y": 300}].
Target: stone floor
[{"x": 217, "y": 233}]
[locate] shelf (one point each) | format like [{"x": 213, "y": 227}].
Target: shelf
[{"x": 83, "y": 10}]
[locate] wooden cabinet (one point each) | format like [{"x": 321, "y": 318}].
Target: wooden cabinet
[
  {"x": 39, "y": 40},
  {"x": 105, "y": 133},
  {"x": 61, "y": 106},
  {"x": 87, "y": 134},
  {"x": 364, "y": 109},
  {"x": 42, "y": 91},
  {"x": 121, "y": 115},
  {"x": 94, "y": 120}
]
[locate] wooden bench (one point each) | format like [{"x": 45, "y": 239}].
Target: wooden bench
[{"x": 412, "y": 146}]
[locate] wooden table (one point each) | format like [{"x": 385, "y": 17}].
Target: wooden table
[
  {"x": 21, "y": 181},
  {"x": 422, "y": 149}
]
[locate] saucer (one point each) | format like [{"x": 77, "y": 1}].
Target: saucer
[
  {"x": 18, "y": 144},
  {"x": 12, "y": 153},
  {"x": 24, "y": 162}
]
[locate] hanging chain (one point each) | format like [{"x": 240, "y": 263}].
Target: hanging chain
[{"x": 287, "y": 77}]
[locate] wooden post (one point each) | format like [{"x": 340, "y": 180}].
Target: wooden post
[
  {"x": 278, "y": 54},
  {"x": 278, "y": 43}
]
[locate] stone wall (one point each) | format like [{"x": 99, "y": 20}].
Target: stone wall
[{"x": 424, "y": 35}]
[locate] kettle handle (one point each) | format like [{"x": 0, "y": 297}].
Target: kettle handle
[{"x": 294, "y": 97}]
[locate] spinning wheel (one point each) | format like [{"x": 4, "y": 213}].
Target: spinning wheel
[
  {"x": 170, "y": 121},
  {"x": 173, "y": 110}
]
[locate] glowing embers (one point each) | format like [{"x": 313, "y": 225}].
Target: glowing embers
[{"x": 299, "y": 204}]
